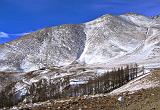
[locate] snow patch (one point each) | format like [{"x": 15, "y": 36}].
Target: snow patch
[
  {"x": 77, "y": 82},
  {"x": 136, "y": 84}
]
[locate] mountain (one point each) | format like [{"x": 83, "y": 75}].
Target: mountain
[
  {"x": 58, "y": 46},
  {"x": 108, "y": 40},
  {"x": 49, "y": 63}
]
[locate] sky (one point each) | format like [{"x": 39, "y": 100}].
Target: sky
[{"x": 20, "y": 17}]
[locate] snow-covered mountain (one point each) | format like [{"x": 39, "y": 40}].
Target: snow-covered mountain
[
  {"x": 46, "y": 62},
  {"x": 108, "y": 40}
]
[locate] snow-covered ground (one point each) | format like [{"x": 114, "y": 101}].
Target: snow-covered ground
[{"x": 142, "y": 82}]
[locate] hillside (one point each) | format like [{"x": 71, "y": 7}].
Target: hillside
[{"x": 135, "y": 99}]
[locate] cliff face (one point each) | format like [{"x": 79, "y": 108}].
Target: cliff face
[{"x": 108, "y": 40}]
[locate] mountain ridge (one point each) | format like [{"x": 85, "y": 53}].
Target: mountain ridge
[{"x": 108, "y": 40}]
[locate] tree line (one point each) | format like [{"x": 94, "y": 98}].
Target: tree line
[
  {"x": 60, "y": 88},
  {"x": 104, "y": 83}
]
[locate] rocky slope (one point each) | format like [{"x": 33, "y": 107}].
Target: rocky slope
[
  {"x": 108, "y": 40},
  {"x": 128, "y": 97},
  {"x": 59, "y": 46},
  {"x": 40, "y": 85}
]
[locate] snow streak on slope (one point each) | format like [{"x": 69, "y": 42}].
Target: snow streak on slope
[{"x": 122, "y": 39}]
